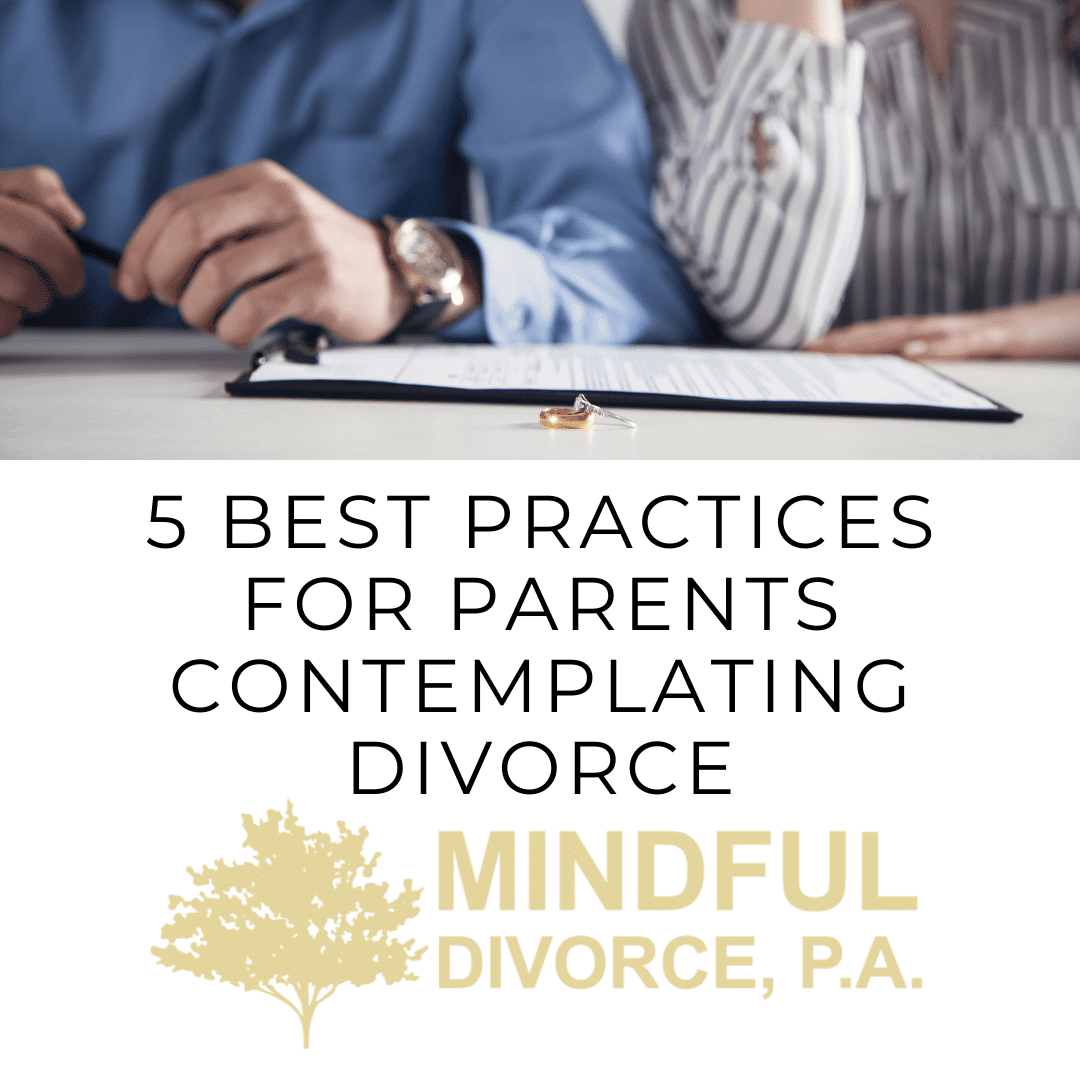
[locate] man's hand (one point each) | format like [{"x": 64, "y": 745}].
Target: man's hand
[
  {"x": 38, "y": 257},
  {"x": 288, "y": 251},
  {"x": 1047, "y": 329}
]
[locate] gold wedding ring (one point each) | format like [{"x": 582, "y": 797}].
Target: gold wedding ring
[
  {"x": 582, "y": 415},
  {"x": 566, "y": 418}
]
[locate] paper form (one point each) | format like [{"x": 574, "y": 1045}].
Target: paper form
[{"x": 719, "y": 374}]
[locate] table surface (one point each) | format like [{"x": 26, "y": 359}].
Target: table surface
[{"x": 159, "y": 394}]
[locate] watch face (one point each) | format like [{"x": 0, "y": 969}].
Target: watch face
[{"x": 430, "y": 256}]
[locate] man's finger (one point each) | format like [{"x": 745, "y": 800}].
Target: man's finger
[
  {"x": 33, "y": 234},
  {"x": 202, "y": 227},
  {"x": 233, "y": 267},
  {"x": 131, "y": 278},
  {"x": 42, "y": 186},
  {"x": 293, "y": 295},
  {"x": 21, "y": 284},
  {"x": 10, "y": 315}
]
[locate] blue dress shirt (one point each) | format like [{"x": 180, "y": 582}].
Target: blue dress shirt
[{"x": 380, "y": 104}]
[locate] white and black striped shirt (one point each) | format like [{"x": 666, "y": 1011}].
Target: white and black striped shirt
[{"x": 886, "y": 190}]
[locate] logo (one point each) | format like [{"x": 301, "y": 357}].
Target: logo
[{"x": 295, "y": 922}]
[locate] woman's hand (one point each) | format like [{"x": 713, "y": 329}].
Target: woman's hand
[
  {"x": 1047, "y": 329},
  {"x": 822, "y": 18},
  {"x": 935, "y": 21}
]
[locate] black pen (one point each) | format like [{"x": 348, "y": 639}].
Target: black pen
[{"x": 95, "y": 250}]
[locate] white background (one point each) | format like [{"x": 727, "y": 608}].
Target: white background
[{"x": 112, "y": 789}]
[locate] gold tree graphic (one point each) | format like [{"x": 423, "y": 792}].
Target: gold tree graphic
[{"x": 294, "y": 918}]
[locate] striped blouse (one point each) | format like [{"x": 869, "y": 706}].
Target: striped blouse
[{"x": 802, "y": 184}]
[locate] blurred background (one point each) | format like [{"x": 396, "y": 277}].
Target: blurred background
[{"x": 611, "y": 15}]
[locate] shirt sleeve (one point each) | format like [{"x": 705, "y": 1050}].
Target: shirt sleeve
[
  {"x": 555, "y": 127},
  {"x": 760, "y": 187}
]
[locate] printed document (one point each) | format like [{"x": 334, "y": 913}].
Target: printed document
[{"x": 717, "y": 374}]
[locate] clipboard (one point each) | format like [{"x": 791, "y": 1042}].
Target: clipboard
[{"x": 630, "y": 376}]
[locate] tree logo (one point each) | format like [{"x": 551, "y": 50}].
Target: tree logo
[{"x": 294, "y": 918}]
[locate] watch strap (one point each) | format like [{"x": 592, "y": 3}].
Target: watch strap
[{"x": 420, "y": 318}]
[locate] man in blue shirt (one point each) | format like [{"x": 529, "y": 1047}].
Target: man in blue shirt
[{"x": 244, "y": 158}]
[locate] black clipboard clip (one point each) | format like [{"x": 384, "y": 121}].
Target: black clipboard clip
[{"x": 296, "y": 342}]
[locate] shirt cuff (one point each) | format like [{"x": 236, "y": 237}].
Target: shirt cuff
[{"x": 518, "y": 305}]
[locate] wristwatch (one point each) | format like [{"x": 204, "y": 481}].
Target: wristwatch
[{"x": 430, "y": 266}]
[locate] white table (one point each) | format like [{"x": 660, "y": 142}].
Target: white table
[{"x": 159, "y": 394}]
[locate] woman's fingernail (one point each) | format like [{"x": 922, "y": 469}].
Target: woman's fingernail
[{"x": 915, "y": 348}]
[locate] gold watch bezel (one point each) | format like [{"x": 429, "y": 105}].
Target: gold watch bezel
[{"x": 427, "y": 260}]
